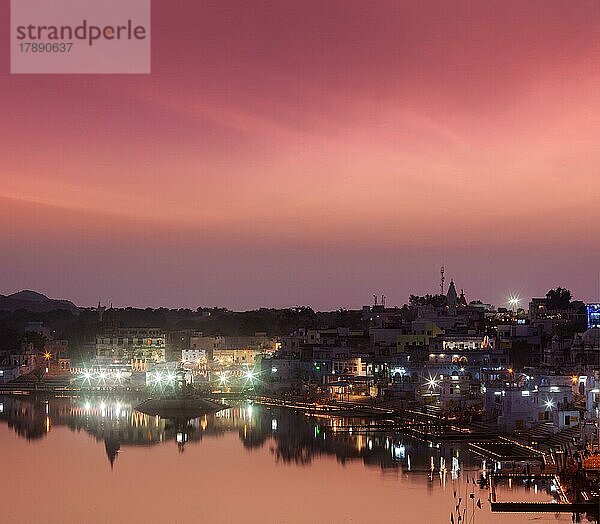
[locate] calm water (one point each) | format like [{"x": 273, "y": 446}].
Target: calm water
[{"x": 99, "y": 461}]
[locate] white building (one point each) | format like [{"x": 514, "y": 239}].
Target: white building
[
  {"x": 355, "y": 366},
  {"x": 548, "y": 401},
  {"x": 193, "y": 357},
  {"x": 227, "y": 357}
]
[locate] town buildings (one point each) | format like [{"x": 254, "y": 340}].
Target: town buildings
[
  {"x": 499, "y": 364},
  {"x": 140, "y": 346}
]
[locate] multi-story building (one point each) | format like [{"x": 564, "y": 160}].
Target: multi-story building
[
  {"x": 218, "y": 347},
  {"x": 357, "y": 366},
  {"x": 59, "y": 362},
  {"x": 13, "y": 365},
  {"x": 227, "y": 357},
  {"x": 26, "y": 360},
  {"x": 538, "y": 308},
  {"x": 416, "y": 343},
  {"x": 523, "y": 343},
  {"x": 542, "y": 314},
  {"x": 547, "y": 399},
  {"x": 384, "y": 341},
  {"x": 139, "y": 346},
  {"x": 208, "y": 344},
  {"x": 475, "y": 354},
  {"x": 459, "y": 390}
]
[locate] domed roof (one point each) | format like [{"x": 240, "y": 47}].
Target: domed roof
[{"x": 592, "y": 337}]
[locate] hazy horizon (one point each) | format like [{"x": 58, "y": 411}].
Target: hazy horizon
[{"x": 523, "y": 301}]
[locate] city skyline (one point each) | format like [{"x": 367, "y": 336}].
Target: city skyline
[
  {"x": 512, "y": 301},
  {"x": 310, "y": 154}
]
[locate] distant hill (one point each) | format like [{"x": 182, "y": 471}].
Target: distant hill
[{"x": 33, "y": 301}]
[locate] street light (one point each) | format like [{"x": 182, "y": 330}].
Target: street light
[
  {"x": 514, "y": 301},
  {"x": 250, "y": 376},
  {"x": 223, "y": 378},
  {"x": 47, "y": 356},
  {"x": 549, "y": 404},
  {"x": 432, "y": 383},
  {"x": 158, "y": 378},
  {"x": 87, "y": 377}
]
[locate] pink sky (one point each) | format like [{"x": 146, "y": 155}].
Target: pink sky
[{"x": 312, "y": 152}]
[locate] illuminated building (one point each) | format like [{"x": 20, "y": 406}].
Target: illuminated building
[
  {"x": 476, "y": 354},
  {"x": 544, "y": 399},
  {"x": 235, "y": 356},
  {"x": 225, "y": 347},
  {"x": 140, "y": 346},
  {"x": 459, "y": 390},
  {"x": 356, "y": 366},
  {"x": 593, "y": 315},
  {"x": 193, "y": 356}
]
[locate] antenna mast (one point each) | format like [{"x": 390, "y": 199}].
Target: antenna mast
[{"x": 442, "y": 278}]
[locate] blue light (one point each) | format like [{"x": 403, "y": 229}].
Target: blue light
[{"x": 593, "y": 315}]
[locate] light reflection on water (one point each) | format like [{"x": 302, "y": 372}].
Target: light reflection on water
[{"x": 246, "y": 463}]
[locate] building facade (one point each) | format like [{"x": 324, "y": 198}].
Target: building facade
[{"x": 139, "y": 346}]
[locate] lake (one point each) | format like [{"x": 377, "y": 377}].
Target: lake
[{"x": 97, "y": 460}]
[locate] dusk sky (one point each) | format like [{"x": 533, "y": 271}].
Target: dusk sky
[{"x": 315, "y": 153}]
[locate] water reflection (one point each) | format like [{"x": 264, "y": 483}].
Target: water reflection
[
  {"x": 292, "y": 437},
  {"x": 275, "y": 444}
]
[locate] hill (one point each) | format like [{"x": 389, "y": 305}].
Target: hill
[{"x": 34, "y": 301}]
